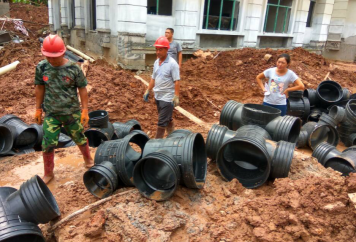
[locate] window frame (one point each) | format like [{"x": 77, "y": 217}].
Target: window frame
[
  {"x": 310, "y": 14},
  {"x": 93, "y": 24},
  {"x": 220, "y": 15},
  {"x": 157, "y": 9},
  {"x": 276, "y": 17}
]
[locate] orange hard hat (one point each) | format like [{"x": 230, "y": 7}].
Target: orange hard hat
[
  {"x": 162, "y": 42},
  {"x": 53, "y": 46}
]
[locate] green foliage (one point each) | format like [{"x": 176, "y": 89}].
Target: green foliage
[{"x": 34, "y": 2}]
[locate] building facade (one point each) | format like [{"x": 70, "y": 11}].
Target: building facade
[{"x": 124, "y": 30}]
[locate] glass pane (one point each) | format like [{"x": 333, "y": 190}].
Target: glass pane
[
  {"x": 310, "y": 13},
  {"x": 214, "y": 14},
  {"x": 226, "y": 15},
  {"x": 286, "y": 3},
  {"x": 280, "y": 20},
  {"x": 272, "y": 11},
  {"x": 287, "y": 21},
  {"x": 236, "y": 15},
  {"x": 165, "y": 7},
  {"x": 151, "y": 6},
  {"x": 273, "y": 1}
]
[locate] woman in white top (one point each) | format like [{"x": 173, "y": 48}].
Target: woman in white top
[{"x": 279, "y": 78}]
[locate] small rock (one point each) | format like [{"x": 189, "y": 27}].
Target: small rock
[
  {"x": 239, "y": 62},
  {"x": 267, "y": 57},
  {"x": 334, "y": 207},
  {"x": 223, "y": 213}
]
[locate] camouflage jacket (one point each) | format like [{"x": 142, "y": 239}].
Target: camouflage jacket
[{"x": 61, "y": 85}]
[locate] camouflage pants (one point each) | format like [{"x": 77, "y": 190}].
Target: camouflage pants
[{"x": 52, "y": 128}]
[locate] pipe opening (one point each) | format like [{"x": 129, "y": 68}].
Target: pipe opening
[
  {"x": 97, "y": 184},
  {"x": 6, "y": 140},
  {"x": 322, "y": 134},
  {"x": 25, "y": 237},
  {"x": 330, "y": 91},
  {"x": 340, "y": 164},
  {"x": 294, "y": 131},
  {"x": 158, "y": 174},
  {"x": 199, "y": 159},
  {"x": 245, "y": 161},
  {"x": 48, "y": 196},
  {"x": 95, "y": 137}
]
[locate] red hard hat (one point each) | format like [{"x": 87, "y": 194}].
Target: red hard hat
[
  {"x": 53, "y": 46},
  {"x": 162, "y": 42}
]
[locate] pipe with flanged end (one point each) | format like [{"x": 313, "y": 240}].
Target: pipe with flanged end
[
  {"x": 96, "y": 136},
  {"x": 33, "y": 202},
  {"x": 6, "y": 138},
  {"x": 98, "y": 119},
  {"x": 327, "y": 119},
  {"x": 329, "y": 93},
  {"x": 285, "y": 128},
  {"x": 157, "y": 175},
  {"x": 318, "y": 133},
  {"x": 122, "y": 155},
  {"x": 230, "y": 115},
  {"x": 13, "y": 227},
  {"x": 324, "y": 152},
  {"x": 338, "y": 113},
  {"x": 101, "y": 180},
  {"x": 310, "y": 94},
  {"x": 123, "y": 129},
  {"x": 282, "y": 159},
  {"x": 256, "y": 114},
  {"x": 302, "y": 139},
  {"x": 351, "y": 112},
  {"x": 344, "y": 163},
  {"x": 189, "y": 151}
]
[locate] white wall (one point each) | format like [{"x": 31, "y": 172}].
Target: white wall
[
  {"x": 350, "y": 25},
  {"x": 156, "y": 26},
  {"x": 102, "y": 14}
]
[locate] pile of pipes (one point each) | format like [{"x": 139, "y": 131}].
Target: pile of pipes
[
  {"x": 155, "y": 167},
  {"x": 17, "y": 137},
  {"x": 253, "y": 143},
  {"x": 328, "y": 114},
  {"x": 22, "y": 210},
  {"x": 329, "y": 156},
  {"x": 101, "y": 130}
]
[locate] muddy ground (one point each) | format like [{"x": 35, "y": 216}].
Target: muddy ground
[{"x": 312, "y": 204}]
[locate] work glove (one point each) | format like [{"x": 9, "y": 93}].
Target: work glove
[
  {"x": 175, "y": 101},
  {"x": 84, "y": 119},
  {"x": 38, "y": 116},
  {"x": 145, "y": 96}
]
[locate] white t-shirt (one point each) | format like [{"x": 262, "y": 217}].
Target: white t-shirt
[{"x": 277, "y": 85}]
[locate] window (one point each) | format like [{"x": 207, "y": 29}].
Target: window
[
  {"x": 277, "y": 16},
  {"x": 159, "y": 7},
  {"x": 220, "y": 14},
  {"x": 72, "y": 9},
  {"x": 310, "y": 13},
  {"x": 93, "y": 14}
]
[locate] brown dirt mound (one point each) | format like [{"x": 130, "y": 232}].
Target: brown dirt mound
[{"x": 232, "y": 76}]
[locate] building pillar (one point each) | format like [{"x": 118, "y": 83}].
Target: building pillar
[
  {"x": 321, "y": 22},
  {"x": 300, "y": 22},
  {"x": 131, "y": 19},
  {"x": 54, "y": 15},
  {"x": 186, "y": 13},
  {"x": 253, "y": 20}
]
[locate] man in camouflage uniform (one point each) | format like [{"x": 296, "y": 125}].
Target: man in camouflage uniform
[{"x": 57, "y": 81}]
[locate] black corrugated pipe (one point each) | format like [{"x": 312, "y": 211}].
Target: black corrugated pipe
[
  {"x": 219, "y": 134},
  {"x": 246, "y": 159},
  {"x": 318, "y": 133},
  {"x": 327, "y": 119},
  {"x": 189, "y": 151},
  {"x": 13, "y": 227},
  {"x": 157, "y": 175},
  {"x": 282, "y": 156},
  {"x": 311, "y": 95},
  {"x": 122, "y": 156},
  {"x": 295, "y": 95},
  {"x": 329, "y": 93},
  {"x": 257, "y": 114},
  {"x": 338, "y": 113},
  {"x": 346, "y": 131},
  {"x": 123, "y": 129},
  {"x": 302, "y": 139},
  {"x": 96, "y": 136},
  {"x": 324, "y": 152},
  {"x": 33, "y": 202},
  {"x": 353, "y": 148},
  {"x": 98, "y": 119},
  {"x": 351, "y": 112},
  {"x": 231, "y": 115},
  {"x": 39, "y": 129},
  {"x": 285, "y": 128},
  {"x": 179, "y": 133},
  {"x": 101, "y": 180},
  {"x": 26, "y": 136},
  {"x": 6, "y": 138},
  {"x": 298, "y": 107},
  {"x": 344, "y": 163}
]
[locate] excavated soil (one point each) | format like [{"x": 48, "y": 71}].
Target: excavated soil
[{"x": 312, "y": 204}]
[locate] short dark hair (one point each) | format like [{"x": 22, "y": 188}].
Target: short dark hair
[
  {"x": 285, "y": 56},
  {"x": 172, "y": 30}
]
